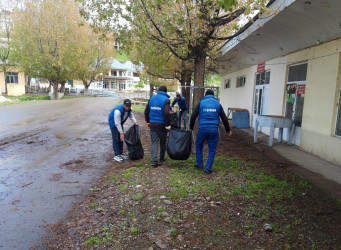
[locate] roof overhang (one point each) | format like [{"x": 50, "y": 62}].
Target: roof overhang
[
  {"x": 118, "y": 78},
  {"x": 299, "y": 24}
]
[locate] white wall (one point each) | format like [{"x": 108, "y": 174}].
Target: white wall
[{"x": 241, "y": 97}]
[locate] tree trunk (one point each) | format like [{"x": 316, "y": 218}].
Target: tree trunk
[
  {"x": 62, "y": 87},
  {"x": 199, "y": 76},
  {"x": 86, "y": 90},
  {"x": 28, "y": 84},
  {"x": 5, "y": 82},
  {"x": 55, "y": 90},
  {"x": 151, "y": 90},
  {"x": 86, "y": 87},
  {"x": 49, "y": 87}
]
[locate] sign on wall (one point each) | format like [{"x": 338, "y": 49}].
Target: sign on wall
[
  {"x": 261, "y": 67},
  {"x": 300, "y": 89}
]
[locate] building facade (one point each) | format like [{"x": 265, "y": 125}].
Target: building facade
[
  {"x": 293, "y": 71},
  {"x": 121, "y": 77},
  {"x": 15, "y": 82}
]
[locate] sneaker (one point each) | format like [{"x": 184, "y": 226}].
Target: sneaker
[
  {"x": 155, "y": 164},
  {"x": 118, "y": 158},
  {"x": 163, "y": 159},
  {"x": 198, "y": 167},
  {"x": 124, "y": 157},
  {"x": 208, "y": 172}
]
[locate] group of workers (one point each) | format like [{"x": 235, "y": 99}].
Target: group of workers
[{"x": 157, "y": 116}]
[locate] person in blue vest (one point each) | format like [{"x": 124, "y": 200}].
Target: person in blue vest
[
  {"x": 157, "y": 117},
  {"x": 117, "y": 117},
  {"x": 182, "y": 108},
  {"x": 209, "y": 110}
]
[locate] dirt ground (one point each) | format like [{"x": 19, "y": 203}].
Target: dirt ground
[{"x": 251, "y": 201}]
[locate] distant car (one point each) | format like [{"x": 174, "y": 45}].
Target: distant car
[
  {"x": 82, "y": 91},
  {"x": 73, "y": 90}
]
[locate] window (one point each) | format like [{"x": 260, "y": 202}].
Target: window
[
  {"x": 114, "y": 73},
  {"x": 122, "y": 85},
  {"x": 135, "y": 74},
  {"x": 263, "y": 78},
  {"x": 121, "y": 73},
  {"x": 227, "y": 83},
  {"x": 298, "y": 73},
  {"x": 241, "y": 81},
  {"x": 12, "y": 77},
  {"x": 128, "y": 73},
  {"x": 338, "y": 118},
  {"x": 113, "y": 85}
]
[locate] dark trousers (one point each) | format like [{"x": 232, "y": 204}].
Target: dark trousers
[
  {"x": 117, "y": 144},
  {"x": 212, "y": 137},
  {"x": 158, "y": 135},
  {"x": 182, "y": 113}
]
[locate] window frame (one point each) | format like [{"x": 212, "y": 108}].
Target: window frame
[
  {"x": 265, "y": 78},
  {"x": 227, "y": 81},
  {"x": 243, "y": 81},
  {"x": 12, "y": 77}
]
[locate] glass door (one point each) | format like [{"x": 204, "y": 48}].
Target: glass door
[
  {"x": 260, "y": 105},
  {"x": 295, "y": 92}
]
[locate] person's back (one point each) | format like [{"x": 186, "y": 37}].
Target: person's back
[
  {"x": 157, "y": 117},
  {"x": 209, "y": 112},
  {"x": 157, "y": 107}
]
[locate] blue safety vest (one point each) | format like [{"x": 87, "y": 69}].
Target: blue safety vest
[
  {"x": 111, "y": 118},
  {"x": 209, "y": 112},
  {"x": 181, "y": 103},
  {"x": 157, "y": 107}
]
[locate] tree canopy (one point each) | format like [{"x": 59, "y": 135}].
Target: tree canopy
[
  {"x": 52, "y": 41},
  {"x": 190, "y": 30}
]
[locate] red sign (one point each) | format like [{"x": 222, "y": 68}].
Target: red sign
[
  {"x": 300, "y": 89},
  {"x": 261, "y": 67}
]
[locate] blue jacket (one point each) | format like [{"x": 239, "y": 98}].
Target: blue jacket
[
  {"x": 209, "y": 112},
  {"x": 181, "y": 103},
  {"x": 111, "y": 118},
  {"x": 157, "y": 107}
]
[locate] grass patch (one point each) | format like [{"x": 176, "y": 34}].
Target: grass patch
[
  {"x": 24, "y": 99},
  {"x": 135, "y": 230},
  {"x": 138, "y": 108},
  {"x": 92, "y": 241},
  {"x": 76, "y": 96},
  {"x": 93, "y": 204},
  {"x": 254, "y": 183}
]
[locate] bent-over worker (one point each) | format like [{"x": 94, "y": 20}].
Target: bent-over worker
[{"x": 117, "y": 117}]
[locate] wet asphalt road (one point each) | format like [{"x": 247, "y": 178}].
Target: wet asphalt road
[{"x": 50, "y": 154}]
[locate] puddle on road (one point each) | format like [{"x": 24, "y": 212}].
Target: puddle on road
[
  {"x": 23, "y": 122},
  {"x": 56, "y": 177},
  {"x": 75, "y": 165}
]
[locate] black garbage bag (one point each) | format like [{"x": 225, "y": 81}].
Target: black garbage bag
[
  {"x": 174, "y": 120},
  {"x": 132, "y": 139},
  {"x": 179, "y": 144}
]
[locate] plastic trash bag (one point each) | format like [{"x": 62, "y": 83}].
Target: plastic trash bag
[
  {"x": 179, "y": 144},
  {"x": 132, "y": 139},
  {"x": 174, "y": 120}
]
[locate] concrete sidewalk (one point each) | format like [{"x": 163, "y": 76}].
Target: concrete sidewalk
[{"x": 319, "y": 172}]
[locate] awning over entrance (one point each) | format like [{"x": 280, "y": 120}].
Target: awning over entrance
[{"x": 299, "y": 24}]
